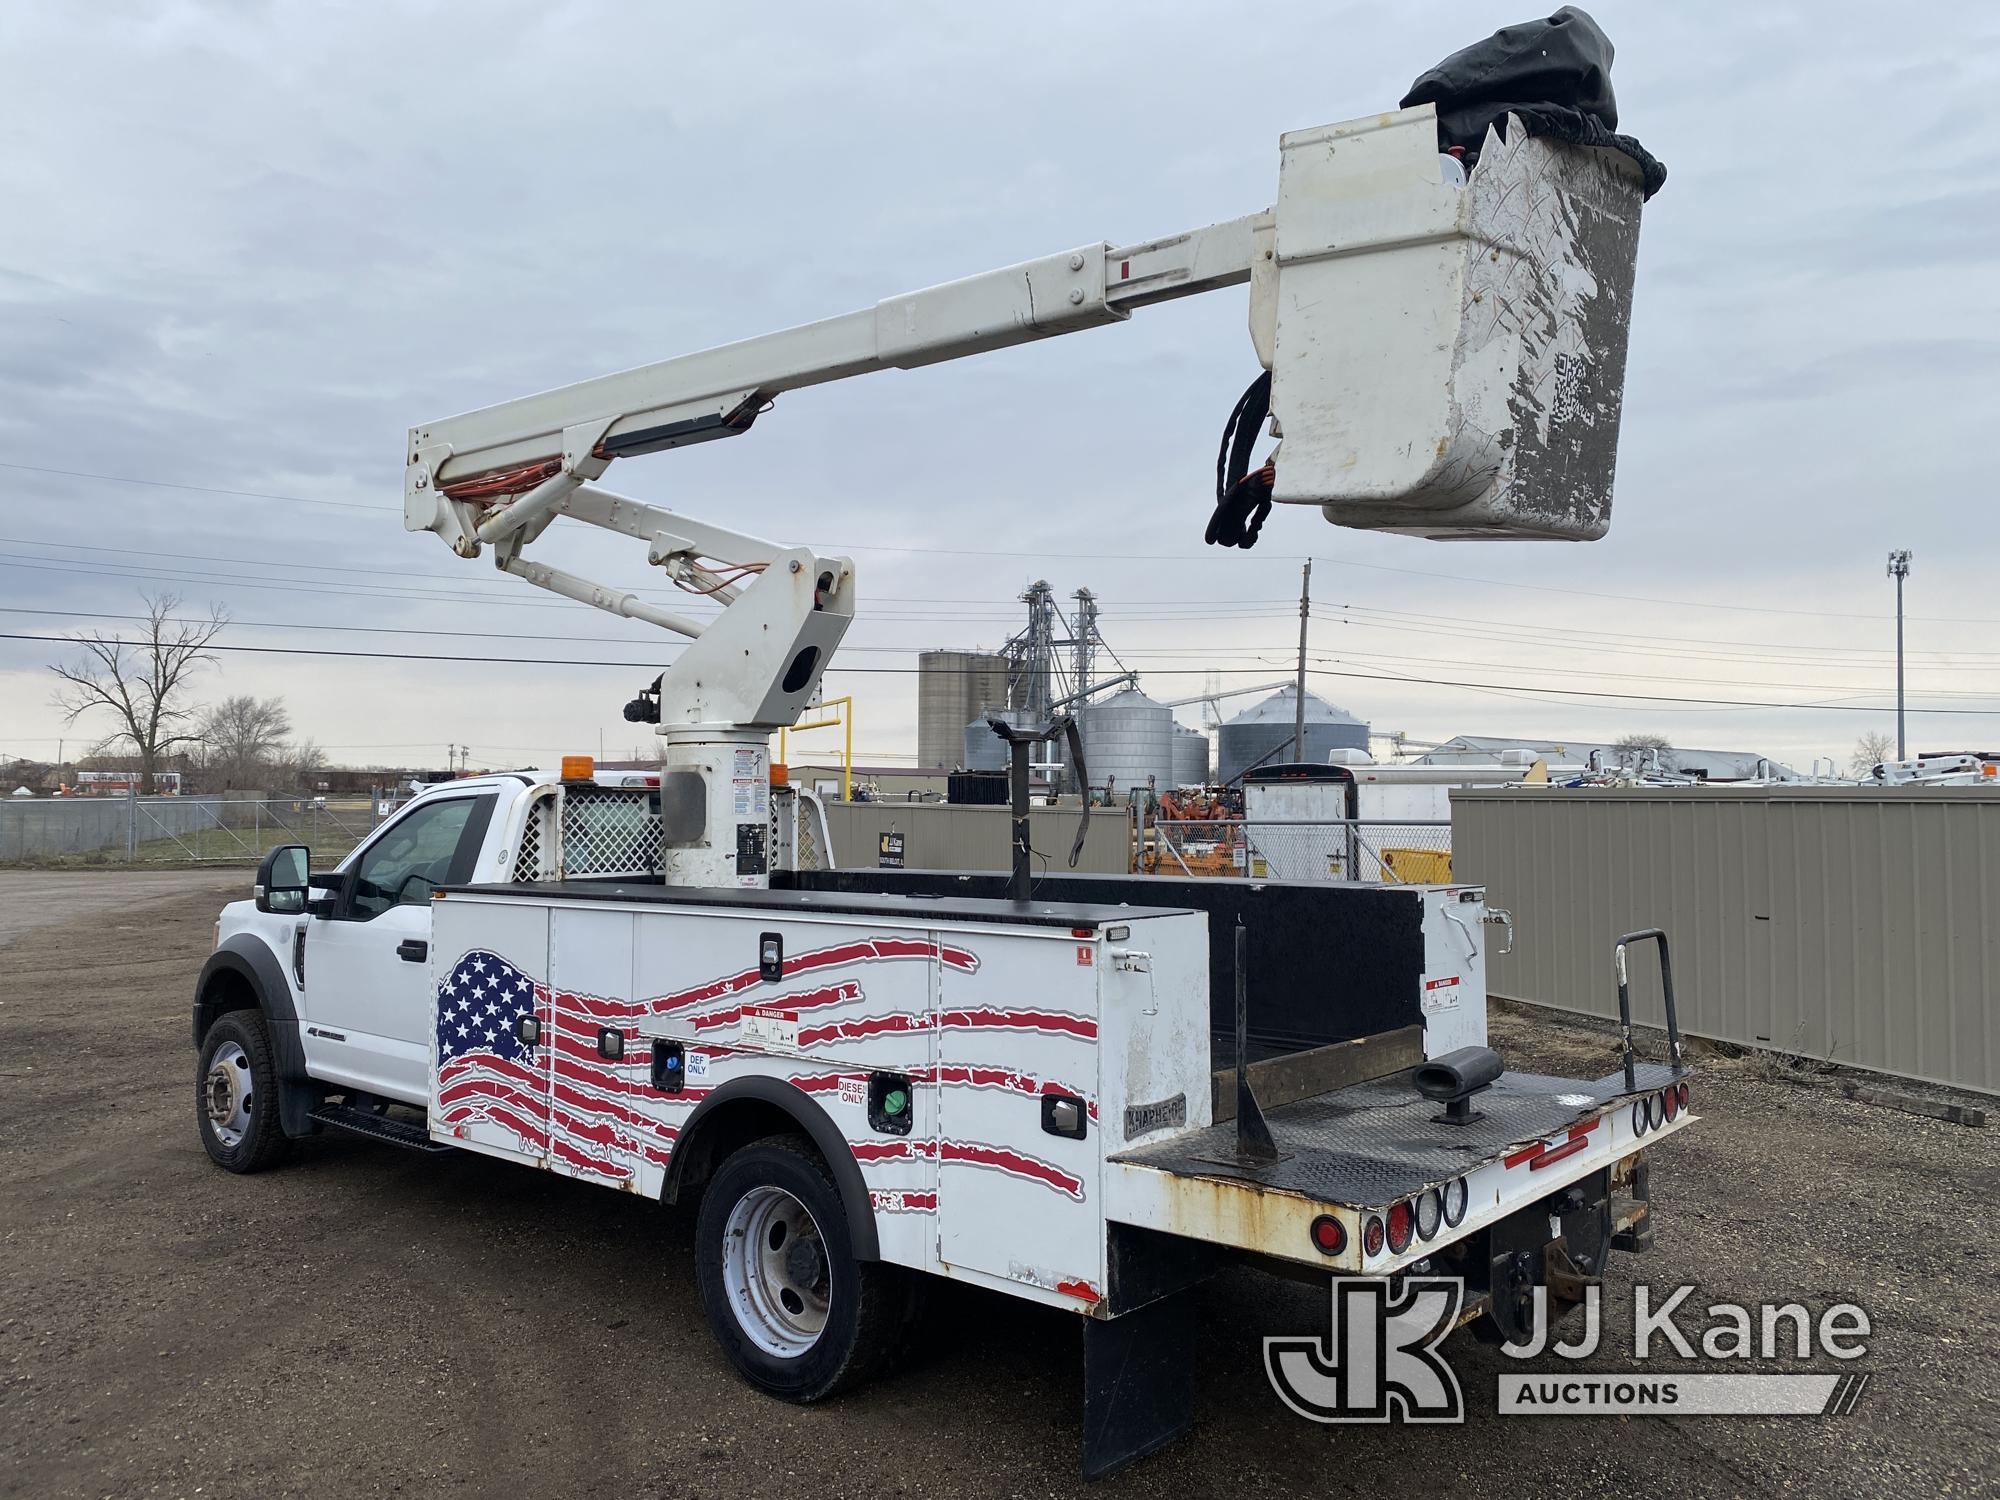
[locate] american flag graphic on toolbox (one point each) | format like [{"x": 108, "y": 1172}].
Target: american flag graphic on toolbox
[
  {"x": 558, "y": 1097},
  {"x": 555, "y": 1095}
]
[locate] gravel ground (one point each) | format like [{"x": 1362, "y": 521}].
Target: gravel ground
[
  {"x": 36, "y": 898},
  {"x": 369, "y": 1322}
]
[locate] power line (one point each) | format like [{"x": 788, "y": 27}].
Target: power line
[
  {"x": 535, "y": 661},
  {"x": 1191, "y": 605},
  {"x": 409, "y": 595},
  {"x": 1171, "y": 653},
  {"x": 203, "y": 489},
  {"x": 1067, "y": 554}
]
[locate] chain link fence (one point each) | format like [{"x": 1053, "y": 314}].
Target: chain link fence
[
  {"x": 83, "y": 831},
  {"x": 1349, "y": 849}
]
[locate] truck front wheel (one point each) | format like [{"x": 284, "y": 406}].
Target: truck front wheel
[
  {"x": 793, "y": 1309},
  {"x": 236, "y": 1095}
]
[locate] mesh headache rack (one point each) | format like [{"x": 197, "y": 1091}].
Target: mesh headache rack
[
  {"x": 582, "y": 828},
  {"x": 585, "y": 829}
]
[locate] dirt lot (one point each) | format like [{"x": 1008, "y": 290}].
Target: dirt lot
[{"x": 368, "y": 1322}]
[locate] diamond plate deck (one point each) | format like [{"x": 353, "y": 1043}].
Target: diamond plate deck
[{"x": 1374, "y": 1143}]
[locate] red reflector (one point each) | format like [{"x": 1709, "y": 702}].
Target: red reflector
[
  {"x": 1402, "y": 1224},
  {"x": 1371, "y": 1236},
  {"x": 1682, "y": 1090},
  {"x": 1671, "y": 1099},
  {"x": 1083, "y": 932},
  {"x": 1328, "y": 1236}
]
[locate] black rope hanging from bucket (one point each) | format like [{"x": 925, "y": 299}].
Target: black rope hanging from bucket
[{"x": 1242, "y": 497}]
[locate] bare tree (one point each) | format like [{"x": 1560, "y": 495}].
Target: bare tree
[
  {"x": 1637, "y": 750},
  {"x": 143, "y": 684},
  {"x": 1869, "y": 752},
  {"x": 242, "y": 738}
]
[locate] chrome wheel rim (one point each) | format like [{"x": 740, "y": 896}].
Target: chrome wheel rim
[
  {"x": 226, "y": 1094},
  {"x": 775, "y": 1270}
]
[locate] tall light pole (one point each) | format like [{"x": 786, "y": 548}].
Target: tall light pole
[{"x": 1899, "y": 569}]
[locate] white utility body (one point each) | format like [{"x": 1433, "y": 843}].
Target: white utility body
[{"x": 1086, "y": 1093}]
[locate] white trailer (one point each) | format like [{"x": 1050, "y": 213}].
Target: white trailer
[{"x": 1088, "y": 1092}]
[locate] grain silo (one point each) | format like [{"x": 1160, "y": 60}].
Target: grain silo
[
  {"x": 953, "y": 688},
  {"x": 983, "y": 750},
  {"x": 1128, "y": 739},
  {"x": 1190, "y": 756},
  {"x": 1263, "y": 735}
]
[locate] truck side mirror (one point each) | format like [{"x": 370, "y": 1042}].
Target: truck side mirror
[{"x": 281, "y": 880}]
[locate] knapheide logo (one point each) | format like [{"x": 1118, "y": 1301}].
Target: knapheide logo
[{"x": 1379, "y": 1361}]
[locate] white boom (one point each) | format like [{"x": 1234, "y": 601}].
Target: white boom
[{"x": 1447, "y": 359}]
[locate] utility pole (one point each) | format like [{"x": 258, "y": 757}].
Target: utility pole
[
  {"x": 1899, "y": 569},
  {"x": 1305, "y": 614}
]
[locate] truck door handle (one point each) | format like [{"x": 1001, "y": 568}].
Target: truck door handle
[{"x": 413, "y": 950}]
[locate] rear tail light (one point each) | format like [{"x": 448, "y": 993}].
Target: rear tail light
[
  {"x": 1639, "y": 1120},
  {"x": 1670, "y": 1101},
  {"x": 1329, "y": 1236},
  {"x": 1402, "y": 1224},
  {"x": 1682, "y": 1090},
  {"x": 1371, "y": 1235},
  {"x": 1656, "y": 1110},
  {"x": 1455, "y": 1195},
  {"x": 1430, "y": 1213}
]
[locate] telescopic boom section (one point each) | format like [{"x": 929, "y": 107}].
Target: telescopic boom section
[{"x": 1447, "y": 353}]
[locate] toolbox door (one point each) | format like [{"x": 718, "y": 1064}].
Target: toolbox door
[
  {"x": 1018, "y": 1147},
  {"x": 490, "y": 965},
  {"x": 593, "y": 1054}
]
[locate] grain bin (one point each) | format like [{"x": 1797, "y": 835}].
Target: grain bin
[
  {"x": 1263, "y": 735},
  {"x": 983, "y": 750},
  {"x": 954, "y": 687},
  {"x": 1190, "y": 756},
  {"x": 1128, "y": 739}
]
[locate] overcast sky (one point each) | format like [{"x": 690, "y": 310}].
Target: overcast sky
[{"x": 245, "y": 247}]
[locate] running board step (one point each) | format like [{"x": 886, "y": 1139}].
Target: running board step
[{"x": 376, "y": 1127}]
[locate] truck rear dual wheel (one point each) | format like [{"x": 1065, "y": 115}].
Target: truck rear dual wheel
[
  {"x": 236, "y": 1095},
  {"x": 792, "y": 1308}
]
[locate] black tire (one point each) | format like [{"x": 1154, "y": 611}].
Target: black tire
[
  {"x": 867, "y": 1302},
  {"x": 260, "y": 1141}
]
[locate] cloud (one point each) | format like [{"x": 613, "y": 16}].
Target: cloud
[{"x": 248, "y": 247}]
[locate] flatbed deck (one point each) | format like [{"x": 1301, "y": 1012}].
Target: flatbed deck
[{"x": 1368, "y": 1145}]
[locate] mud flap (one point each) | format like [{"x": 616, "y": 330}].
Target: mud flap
[{"x": 1138, "y": 1382}]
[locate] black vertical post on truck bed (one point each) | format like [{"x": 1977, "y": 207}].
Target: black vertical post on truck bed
[
  {"x": 1017, "y": 885},
  {"x": 1253, "y": 1133}
]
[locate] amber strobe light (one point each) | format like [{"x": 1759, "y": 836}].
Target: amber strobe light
[{"x": 578, "y": 768}]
